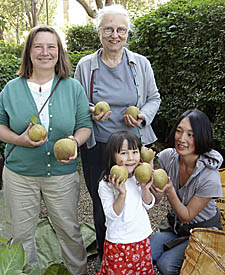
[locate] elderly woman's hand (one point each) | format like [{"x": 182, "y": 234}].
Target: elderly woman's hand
[
  {"x": 130, "y": 121},
  {"x": 101, "y": 117}
]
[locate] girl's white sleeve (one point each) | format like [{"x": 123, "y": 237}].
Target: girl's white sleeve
[{"x": 107, "y": 196}]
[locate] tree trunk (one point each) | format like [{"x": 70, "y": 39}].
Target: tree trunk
[{"x": 1, "y": 34}]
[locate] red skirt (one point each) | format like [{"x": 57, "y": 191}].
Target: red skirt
[{"x": 126, "y": 259}]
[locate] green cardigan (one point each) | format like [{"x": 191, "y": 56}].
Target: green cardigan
[{"x": 68, "y": 112}]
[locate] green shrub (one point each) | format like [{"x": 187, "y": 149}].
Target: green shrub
[
  {"x": 75, "y": 56},
  {"x": 11, "y": 48},
  {"x": 185, "y": 42},
  {"x": 9, "y": 64},
  {"x": 82, "y": 38}
]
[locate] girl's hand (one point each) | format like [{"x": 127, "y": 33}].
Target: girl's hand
[
  {"x": 120, "y": 186},
  {"x": 130, "y": 121},
  {"x": 24, "y": 139},
  {"x": 148, "y": 184},
  {"x": 101, "y": 117},
  {"x": 74, "y": 156},
  {"x": 146, "y": 190},
  {"x": 151, "y": 162}
]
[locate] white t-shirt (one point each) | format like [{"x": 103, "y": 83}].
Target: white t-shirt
[
  {"x": 133, "y": 224},
  {"x": 40, "y": 98}
]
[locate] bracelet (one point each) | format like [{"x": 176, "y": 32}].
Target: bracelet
[{"x": 76, "y": 142}]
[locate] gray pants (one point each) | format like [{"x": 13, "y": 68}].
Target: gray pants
[{"x": 60, "y": 194}]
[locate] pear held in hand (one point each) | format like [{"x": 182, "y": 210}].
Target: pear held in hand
[
  {"x": 160, "y": 178},
  {"x": 143, "y": 172},
  {"x": 119, "y": 171},
  {"x": 64, "y": 149},
  {"x": 37, "y": 132},
  {"x": 147, "y": 154},
  {"x": 101, "y": 106},
  {"x": 133, "y": 111}
]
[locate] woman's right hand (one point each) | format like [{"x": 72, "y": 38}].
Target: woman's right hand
[
  {"x": 101, "y": 117},
  {"x": 24, "y": 139}
]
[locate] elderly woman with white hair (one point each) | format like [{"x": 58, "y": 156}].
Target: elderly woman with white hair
[{"x": 121, "y": 78}]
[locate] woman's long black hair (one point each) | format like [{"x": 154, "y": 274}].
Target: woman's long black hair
[{"x": 201, "y": 128}]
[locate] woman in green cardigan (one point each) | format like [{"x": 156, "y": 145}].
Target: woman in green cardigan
[{"x": 31, "y": 171}]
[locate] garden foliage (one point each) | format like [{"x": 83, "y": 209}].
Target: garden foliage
[
  {"x": 185, "y": 42},
  {"x": 82, "y": 38},
  {"x": 13, "y": 261},
  {"x": 11, "y": 48},
  {"x": 9, "y": 65},
  {"x": 75, "y": 56}
]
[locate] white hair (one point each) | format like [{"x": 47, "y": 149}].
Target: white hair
[{"x": 112, "y": 9}]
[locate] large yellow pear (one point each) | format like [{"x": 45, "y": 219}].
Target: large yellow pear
[
  {"x": 133, "y": 111},
  {"x": 101, "y": 106},
  {"x": 143, "y": 172},
  {"x": 119, "y": 171},
  {"x": 160, "y": 178},
  {"x": 147, "y": 154},
  {"x": 37, "y": 132},
  {"x": 64, "y": 149}
]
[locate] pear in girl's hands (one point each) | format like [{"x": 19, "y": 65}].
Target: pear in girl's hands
[
  {"x": 143, "y": 172},
  {"x": 119, "y": 171},
  {"x": 147, "y": 154}
]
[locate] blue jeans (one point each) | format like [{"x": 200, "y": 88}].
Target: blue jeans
[{"x": 168, "y": 262}]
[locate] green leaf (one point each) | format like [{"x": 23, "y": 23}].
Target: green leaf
[
  {"x": 34, "y": 119},
  {"x": 12, "y": 259},
  {"x": 2, "y": 247},
  {"x": 57, "y": 269},
  {"x": 3, "y": 240}
]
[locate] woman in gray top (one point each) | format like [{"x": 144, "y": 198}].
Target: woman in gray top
[
  {"x": 194, "y": 183},
  {"x": 121, "y": 78}
]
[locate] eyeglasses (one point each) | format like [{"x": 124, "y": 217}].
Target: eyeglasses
[{"x": 110, "y": 30}]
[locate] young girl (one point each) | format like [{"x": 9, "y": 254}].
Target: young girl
[{"x": 127, "y": 246}]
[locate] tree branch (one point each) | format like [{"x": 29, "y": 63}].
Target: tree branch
[
  {"x": 89, "y": 10},
  {"x": 27, "y": 13},
  {"x": 99, "y": 4},
  {"x": 108, "y": 2},
  {"x": 41, "y": 6}
]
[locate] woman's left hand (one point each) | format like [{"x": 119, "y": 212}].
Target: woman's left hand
[
  {"x": 74, "y": 156},
  {"x": 167, "y": 188},
  {"x": 130, "y": 121}
]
